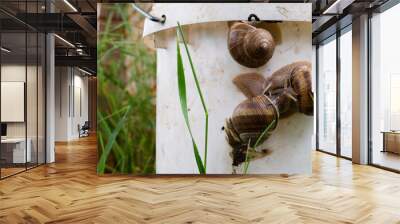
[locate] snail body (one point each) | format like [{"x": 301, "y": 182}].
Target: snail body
[
  {"x": 285, "y": 100},
  {"x": 250, "y": 84},
  {"x": 250, "y": 46}
]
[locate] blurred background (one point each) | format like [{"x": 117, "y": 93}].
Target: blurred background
[{"x": 126, "y": 92}]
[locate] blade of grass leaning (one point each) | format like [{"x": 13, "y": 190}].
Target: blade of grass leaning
[
  {"x": 103, "y": 119},
  {"x": 200, "y": 94},
  {"x": 183, "y": 101},
  {"x": 106, "y": 129},
  {"x": 247, "y": 161},
  {"x": 100, "y": 142},
  {"x": 103, "y": 159}
]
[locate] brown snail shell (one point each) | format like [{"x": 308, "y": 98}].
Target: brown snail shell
[
  {"x": 272, "y": 27},
  {"x": 253, "y": 115},
  {"x": 249, "y": 120},
  {"x": 254, "y": 84},
  {"x": 281, "y": 77},
  {"x": 250, "y": 46},
  {"x": 301, "y": 84},
  {"x": 232, "y": 135},
  {"x": 295, "y": 76}
]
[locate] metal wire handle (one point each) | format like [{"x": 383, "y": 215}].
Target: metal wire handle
[
  {"x": 253, "y": 17},
  {"x": 147, "y": 15}
]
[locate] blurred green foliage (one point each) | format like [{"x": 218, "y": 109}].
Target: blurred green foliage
[{"x": 126, "y": 94}]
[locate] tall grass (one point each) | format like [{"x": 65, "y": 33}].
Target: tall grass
[{"x": 126, "y": 94}]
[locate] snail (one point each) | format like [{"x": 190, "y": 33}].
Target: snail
[
  {"x": 250, "y": 46},
  {"x": 295, "y": 77},
  {"x": 249, "y": 120},
  {"x": 283, "y": 93}
]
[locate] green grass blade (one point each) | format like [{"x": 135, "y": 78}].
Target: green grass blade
[
  {"x": 106, "y": 130},
  {"x": 247, "y": 161},
  {"x": 100, "y": 142},
  {"x": 193, "y": 70},
  {"x": 200, "y": 94},
  {"x": 206, "y": 143},
  {"x": 199, "y": 162},
  {"x": 103, "y": 119},
  {"x": 103, "y": 159},
  {"x": 183, "y": 101},
  {"x": 263, "y": 133}
]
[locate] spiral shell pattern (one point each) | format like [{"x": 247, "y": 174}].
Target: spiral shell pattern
[{"x": 250, "y": 46}]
